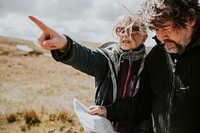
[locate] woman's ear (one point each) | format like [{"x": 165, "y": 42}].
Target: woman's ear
[{"x": 145, "y": 36}]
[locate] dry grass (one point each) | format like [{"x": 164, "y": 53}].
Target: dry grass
[
  {"x": 37, "y": 88},
  {"x": 31, "y": 117},
  {"x": 11, "y": 117},
  {"x": 64, "y": 116}
]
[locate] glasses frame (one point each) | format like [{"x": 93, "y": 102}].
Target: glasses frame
[{"x": 122, "y": 31}]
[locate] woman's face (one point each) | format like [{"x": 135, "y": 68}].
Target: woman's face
[{"x": 130, "y": 37}]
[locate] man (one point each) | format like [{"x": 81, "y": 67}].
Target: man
[
  {"x": 169, "y": 87},
  {"x": 116, "y": 67}
]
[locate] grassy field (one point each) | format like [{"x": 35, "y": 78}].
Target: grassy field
[{"x": 37, "y": 92}]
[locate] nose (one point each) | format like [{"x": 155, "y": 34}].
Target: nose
[
  {"x": 161, "y": 34},
  {"x": 125, "y": 34}
]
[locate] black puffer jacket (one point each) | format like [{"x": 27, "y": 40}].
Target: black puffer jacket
[{"x": 171, "y": 94}]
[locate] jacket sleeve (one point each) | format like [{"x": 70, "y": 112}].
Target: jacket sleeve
[
  {"x": 81, "y": 58},
  {"x": 134, "y": 109}
]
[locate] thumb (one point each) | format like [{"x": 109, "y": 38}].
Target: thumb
[{"x": 52, "y": 44}]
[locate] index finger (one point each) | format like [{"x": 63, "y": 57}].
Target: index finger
[{"x": 41, "y": 25}]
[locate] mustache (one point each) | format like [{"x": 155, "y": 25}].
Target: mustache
[{"x": 168, "y": 41}]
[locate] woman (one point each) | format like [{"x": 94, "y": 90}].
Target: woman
[{"x": 116, "y": 67}]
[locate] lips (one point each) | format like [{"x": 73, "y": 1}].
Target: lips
[{"x": 125, "y": 41}]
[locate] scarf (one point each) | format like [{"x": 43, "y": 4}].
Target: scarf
[{"x": 131, "y": 55}]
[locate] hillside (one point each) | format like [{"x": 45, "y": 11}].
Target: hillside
[{"x": 32, "y": 82}]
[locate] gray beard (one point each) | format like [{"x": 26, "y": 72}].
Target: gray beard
[
  {"x": 177, "y": 49},
  {"x": 171, "y": 50}
]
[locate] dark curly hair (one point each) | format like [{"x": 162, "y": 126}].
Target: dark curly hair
[{"x": 157, "y": 12}]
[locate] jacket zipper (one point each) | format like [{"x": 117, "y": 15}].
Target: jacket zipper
[{"x": 170, "y": 98}]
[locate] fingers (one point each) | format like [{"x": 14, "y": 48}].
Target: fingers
[
  {"x": 41, "y": 39},
  {"x": 43, "y": 43},
  {"x": 92, "y": 107},
  {"x": 98, "y": 110},
  {"x": 50, "y": 39},
  {"x": 48, "y": 45},
  {"x": 94, "y": 110},
  {"x": 41, "y": 25}
]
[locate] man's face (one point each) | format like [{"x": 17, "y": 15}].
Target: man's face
[{"x": 174, "y": 39}]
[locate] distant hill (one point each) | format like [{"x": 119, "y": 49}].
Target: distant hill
[
  {"x": 16, "y": 41},
  {"x": 91, "y": 45}
]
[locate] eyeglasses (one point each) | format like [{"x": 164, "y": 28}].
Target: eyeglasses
[{"x": 120, "y": 31}]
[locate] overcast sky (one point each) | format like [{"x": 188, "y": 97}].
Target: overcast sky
[{"x": 88, "y": 20}]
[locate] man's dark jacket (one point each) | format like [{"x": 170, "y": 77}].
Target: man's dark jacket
[{"x": 170, "y": 93}]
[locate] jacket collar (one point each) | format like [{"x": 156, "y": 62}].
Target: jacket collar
[{"x": 195, "y": 42}]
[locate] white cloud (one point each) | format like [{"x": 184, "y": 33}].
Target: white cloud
[{"x": 89, "y": 20}]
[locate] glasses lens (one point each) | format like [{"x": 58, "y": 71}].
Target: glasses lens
[{"x": 120, "y": 31}]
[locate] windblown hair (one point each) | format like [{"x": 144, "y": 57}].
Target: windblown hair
[
  {"x": 157, "y": 12},
  {"x": 131, "y": 18}
]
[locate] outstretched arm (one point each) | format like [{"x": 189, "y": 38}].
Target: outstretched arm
[{"x": 50, "y": 39}]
